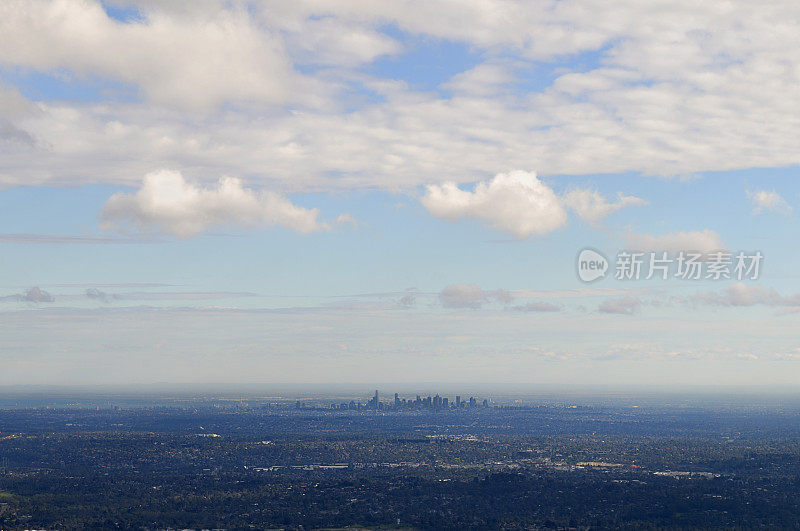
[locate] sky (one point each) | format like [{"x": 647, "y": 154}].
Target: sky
[{"x": 365, "y": 191}]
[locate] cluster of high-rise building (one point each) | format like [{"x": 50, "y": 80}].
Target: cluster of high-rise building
[{"x": 435, "y": 403}]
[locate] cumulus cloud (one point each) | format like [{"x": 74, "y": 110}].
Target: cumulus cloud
[
  {"x": 591, "y": 206},
  {"x": 520, "y": 204},
  {"x": 470, "y": 296},
  {"x": 621, "y": 305},
  {"x": 167, "y": 202},
  {"x": 704, "y": 241},
  {"x": 770, "y": 201},
  {"x": 516, "y": 202}
]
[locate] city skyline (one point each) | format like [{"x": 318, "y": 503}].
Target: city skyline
[{"x": 435, "y": 403}]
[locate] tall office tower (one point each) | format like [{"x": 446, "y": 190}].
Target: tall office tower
[
  {"x": 472, "y": 402},
  {"x": 445, "y": 403},
  {"x": 396, "y": 400},
  {"x": 375, "y": 401},
  {"x": 458, "y": 400}
]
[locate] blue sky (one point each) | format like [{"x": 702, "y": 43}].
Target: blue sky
[{"x": 262, "y": 193}]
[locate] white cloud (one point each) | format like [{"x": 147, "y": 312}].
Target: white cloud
[
  {"x": 590, "y": 206},
  {"x": 515, "y": 202},
  {"x": 483, "y": 80},
  {"x": 167, "y": 202},
  {"x": 772, "y": 201},
  {"x": 791, "y": 355},
  {"x": 346, "y": 219},
  {"x": 13, "y": 106},
  {"x": 704, "y": 241},
  {"x": 541, "y": 28},
  {"x": 741, "y": 294},
  {"x": 621, "y": 305},
  {"x": 681, "y": 87},
  {"x": 196, "y": 58},
  {"x": 330, "y": 41},
  {"x": 520, "y": 204},
  {"x": 470, "y": 296}
]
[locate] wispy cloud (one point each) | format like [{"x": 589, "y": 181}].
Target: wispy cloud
[
  {"x": 538, "y": 306},
  {"x": 63, "y": 238},
  {"x": 591, "y": 206},
  {"x": 36, "y": 294},
  {"x": 772, "y": 201},
  {"x": 703, "y": 241}
]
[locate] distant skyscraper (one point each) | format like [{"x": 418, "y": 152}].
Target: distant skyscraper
[{"x": 375, "y": 402}]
